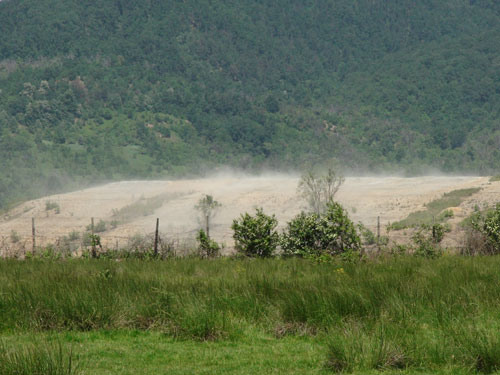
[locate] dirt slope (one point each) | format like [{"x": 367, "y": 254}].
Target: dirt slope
[{"x": 391, "y": 198}]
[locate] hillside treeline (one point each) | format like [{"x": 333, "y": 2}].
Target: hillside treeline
[{"x": 93, "y": 91}]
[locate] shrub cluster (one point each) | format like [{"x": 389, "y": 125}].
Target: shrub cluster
[
  {"x": 330, "y": 232},
  {"x": 483, "y": 235},
  {"x": 313, "y": 234}
]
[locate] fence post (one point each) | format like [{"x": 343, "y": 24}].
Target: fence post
[
  {"x": 33, "y": 234},
  {"x": 208, "y": 225},
  {"x": 378, "y": 230},
  {"x": 156, "y": 236},
  {"x": 93, "y": 254}
]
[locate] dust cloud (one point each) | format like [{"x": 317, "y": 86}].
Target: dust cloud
[{"x": 131, "y": 207}]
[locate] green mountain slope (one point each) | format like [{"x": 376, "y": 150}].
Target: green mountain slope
[{"x": 115, "y": 89}]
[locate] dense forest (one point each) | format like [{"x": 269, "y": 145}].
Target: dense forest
[{"x": 102, "y": 90}]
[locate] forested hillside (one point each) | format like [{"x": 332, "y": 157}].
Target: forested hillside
[{"x": 109, "y": 89}]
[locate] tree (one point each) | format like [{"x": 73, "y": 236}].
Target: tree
[
  {"x": 272, "y": 104},
  {"x": 208, "y": 208},
  {"x": 320, "y": 190},
  {"x": 256, "y": 236}
]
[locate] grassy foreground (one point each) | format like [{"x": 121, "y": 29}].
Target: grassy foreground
[{"x": 230, "y": 316}]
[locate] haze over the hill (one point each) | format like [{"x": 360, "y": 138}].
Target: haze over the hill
[
  {"x": 93, "y": 91},
  {"x": 124, "y": 209}
]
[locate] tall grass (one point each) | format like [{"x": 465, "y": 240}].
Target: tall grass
[
  {"x": 392, "y": 313},
  {"x": 36, "y": 359}
]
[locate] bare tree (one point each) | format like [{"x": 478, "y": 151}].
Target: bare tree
[
  {"x": 319, "y": 190},
  {"x": 208, "y": 208}
]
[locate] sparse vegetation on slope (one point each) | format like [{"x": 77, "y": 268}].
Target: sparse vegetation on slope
[{"x": 436, "y": 211}]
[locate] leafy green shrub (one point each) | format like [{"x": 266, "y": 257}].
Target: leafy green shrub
[
  {"x": 340, "y": 232},
  {"x": 48, "y": 252},
  {"x": 331, "y": 232},
  {"x": 399, "y": 249},
  {"x": 489, "y": 226},
  {"x": 427, "y": 240},
  {"x": 256, "y": 236},
  {"x": 302, "y": 235},
  {"x": 207, "y": 248},
  {"x": 367, "y": 235}
]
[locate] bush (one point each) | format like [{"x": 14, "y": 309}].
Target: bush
[
  {"x": 256, "y": 236},
  {"x": 427, "y": 240},
  {"x": 14, "y": 236},
  {"x": 446, "y": 214},
  {"x": 100, "y": 227},
  {"x": 489, "y": 226},
  {"x": 331, "y": 232},
  {"x": 476, "y": 243},
  {"x": 302, "y": 235},
  {"x": 367, "y": 235},
  {"x": 49, "y": 205},
  {"x": 207, "y": 248}
]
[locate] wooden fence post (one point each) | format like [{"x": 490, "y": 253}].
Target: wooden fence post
[
  {"x": 156, "y": 236},
  {"x": 93, "y": 254},
  {"x": 378, "y": 230},
  {"x": 33, "y": 235},
  {"x": 208, "y": 225}
]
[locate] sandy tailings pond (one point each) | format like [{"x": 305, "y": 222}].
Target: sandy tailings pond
[{"x": 131, "y": 207}]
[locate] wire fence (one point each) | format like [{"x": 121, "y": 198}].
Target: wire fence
[
  {"x": 75, "y": 240},
  {"x": 32, "y": 237}
]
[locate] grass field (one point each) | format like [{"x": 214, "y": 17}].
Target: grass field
[{"x": 228, "y": 316}]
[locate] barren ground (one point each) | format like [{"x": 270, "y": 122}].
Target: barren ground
[{"x": 391, "y": 198}]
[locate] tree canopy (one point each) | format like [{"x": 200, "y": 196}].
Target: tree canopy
[{"x": 93, "y": 91}]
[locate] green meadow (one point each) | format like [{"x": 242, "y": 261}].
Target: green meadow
[{"x": 390, "y": 314}]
